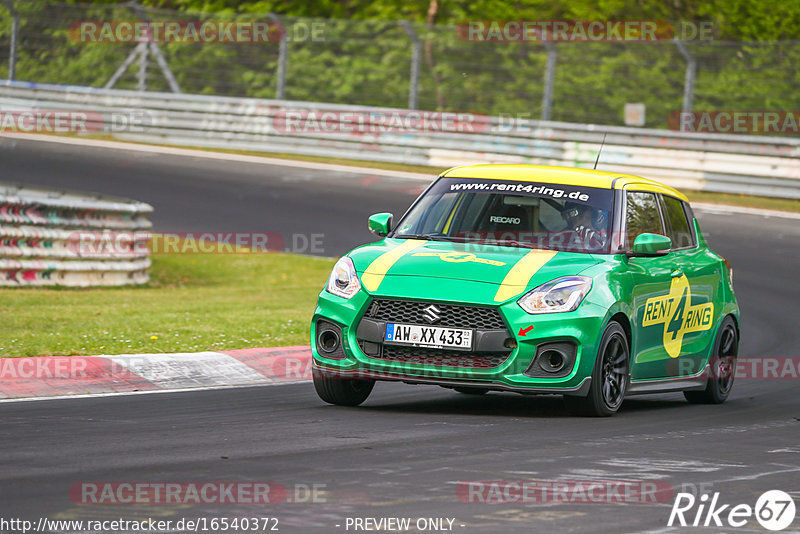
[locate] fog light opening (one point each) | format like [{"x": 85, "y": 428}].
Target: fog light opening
[
  {"x": 328, "y": 341},
  {"x": 552, "y": 360}
]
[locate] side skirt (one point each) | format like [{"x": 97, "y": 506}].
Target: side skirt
[{"x": 666, "y": 385}]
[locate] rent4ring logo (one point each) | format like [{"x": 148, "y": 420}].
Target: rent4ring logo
[
  {"x": 774, "y": 510},
  {"x": 675, "y": 311}
]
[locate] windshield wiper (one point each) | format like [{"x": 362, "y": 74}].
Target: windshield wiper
[
  {"x": 427, "y": 237},
  {"x": 507, "y": 242}
]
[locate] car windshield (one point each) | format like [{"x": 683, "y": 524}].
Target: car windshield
[{"x": 512, "y": 213}]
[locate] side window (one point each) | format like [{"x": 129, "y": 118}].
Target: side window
[
  {"x": 677, "y": 223},
  {"x": 436, "y": 210},
  {"x": 641, "y": 216},
  {"x": 687, "y": 210}
]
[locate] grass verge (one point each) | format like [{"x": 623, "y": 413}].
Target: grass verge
[
  {"x": 747, "y": 201},
  {"x": 194, "y": 302}
]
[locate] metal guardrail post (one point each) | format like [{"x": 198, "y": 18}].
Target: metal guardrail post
[
  {"x": 164, "y": 66},
  {"x": 12, "y": 52},
  {"x": 691, "y": 70},
  {"x": 416, "y": 60},
  {"x": 283, "y": 59},
  {"x": 141, "y": 77},
  {"x": 549, "y": 81},
  {"x": 142, "y": 50}
]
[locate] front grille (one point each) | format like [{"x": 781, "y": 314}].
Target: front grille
[
  {"x": 452, "y": 315},
  {"x": 442, "y": 358}
]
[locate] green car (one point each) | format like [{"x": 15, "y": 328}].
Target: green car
[{"x": 537, "y": 280}]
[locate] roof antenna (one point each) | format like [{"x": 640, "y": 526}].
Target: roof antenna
[{"x": 601, "y": 150}]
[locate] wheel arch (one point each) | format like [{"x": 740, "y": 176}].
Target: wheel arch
[
  {"x": 620, "y": 312},
  {"x": 734, "y": 317},
  {"x": 625, "y": 323}
]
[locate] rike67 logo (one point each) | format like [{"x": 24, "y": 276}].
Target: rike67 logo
[{"x": 774, "y": 510}]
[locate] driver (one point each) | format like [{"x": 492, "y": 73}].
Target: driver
[{"x": 579, "y": 219}]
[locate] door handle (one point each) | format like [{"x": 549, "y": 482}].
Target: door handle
[{"x": 677, "y": 273}]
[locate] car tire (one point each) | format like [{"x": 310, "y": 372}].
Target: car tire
[
  {"x": 472, "y": 391},
  {"x": 610, "y": 377},
  {"x": 341, "y": 391},
  {"x": 722, "y": 366}
]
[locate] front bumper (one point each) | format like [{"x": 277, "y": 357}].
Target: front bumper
[
  {"x": 581, "y": 390},
  {"x": 510, "y": 372}
]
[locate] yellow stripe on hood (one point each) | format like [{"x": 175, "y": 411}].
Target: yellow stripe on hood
[
  {"x": 520, "y": 274},
  {"x": 373, "y": 275}
]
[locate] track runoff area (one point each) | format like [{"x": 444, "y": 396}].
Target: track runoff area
[{"x": 423, "y": 459}]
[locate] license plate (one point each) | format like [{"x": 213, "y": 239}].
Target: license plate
[{"x": 429, "y": 336}]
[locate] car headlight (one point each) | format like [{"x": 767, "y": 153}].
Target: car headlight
[
  {"x": 344, "y": 281},
  {"x": 560, "y": 295}
]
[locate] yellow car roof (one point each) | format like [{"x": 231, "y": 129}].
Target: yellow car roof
[{"x": 562, "y": 175}]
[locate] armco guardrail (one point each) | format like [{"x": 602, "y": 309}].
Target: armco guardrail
[
  {"x": 57, "y": 238},
  {"x": 746, "y": 164}
]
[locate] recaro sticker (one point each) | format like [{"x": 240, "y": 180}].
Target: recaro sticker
[{"x": 675, "y": 311}]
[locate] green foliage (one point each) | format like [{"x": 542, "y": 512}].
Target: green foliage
[{"x": 362, "y": 55}]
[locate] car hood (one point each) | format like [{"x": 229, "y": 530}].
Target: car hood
[{"x": 458, "y": 271}]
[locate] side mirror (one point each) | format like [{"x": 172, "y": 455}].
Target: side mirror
[
  {"x": 651, "y": 245},
  {"x": 380, "y": 224}
]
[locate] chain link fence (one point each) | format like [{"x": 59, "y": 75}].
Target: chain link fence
[{"x": 398, "y": 64}]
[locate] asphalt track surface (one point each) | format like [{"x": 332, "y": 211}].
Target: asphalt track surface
[{"x": 403, "y": 453}]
